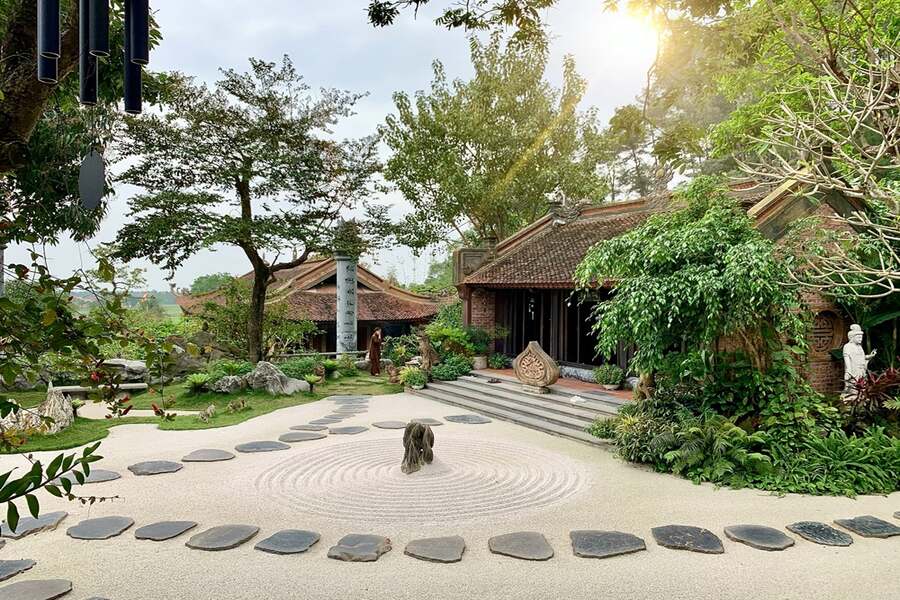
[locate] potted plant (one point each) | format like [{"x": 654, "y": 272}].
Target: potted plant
[
  {"x": 609, "y": 376},
  {"x": 480, "y": 342},
  {"x": 413, "y": 377}
]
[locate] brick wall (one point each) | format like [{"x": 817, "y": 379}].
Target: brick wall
[
  {"x": 481, "y": 308},
  {"x": 829, "y": 331}
]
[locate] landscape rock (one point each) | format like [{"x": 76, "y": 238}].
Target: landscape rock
[
  {"x": 223, "y": 537},
  {"x": 208, "y": 455},
  {"x": 820, "y": 533},
  {"x": 288, "y": 541},
  {"x": 129, "y": 371},
  {"x": 759, "y": 537},
  {"x": 155, "y": 467},
  {"x": 38, "y": 589},
  {"x": 686, "y": 537},
  {"x": 261, "y": 446},
  {"x": 869, "y": 526},
  {"x": 228, "y": 384},
  {"x": 266, "y": 376},
  {"x": 631, "y": 383},
  {"x": 102, "y": 528},
  {"x": 525, "y": 545},
  {"x": 604, "y": 544},
  {"x": 358, "y": 547},
  {"x": 11, "y": 568},
  {"x": 30, "y": 525},
  {"x": 57, "y": 407},
  {"x": 164, "y": 530},
  {"x": 439, "y": 549},
  {"x": 581, "y": 374},
  {"x": 363, "y": 365}
]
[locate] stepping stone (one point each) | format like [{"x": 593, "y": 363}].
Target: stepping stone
[
  {"x": 308, "y": 427},
  {"x": 11, "y": 568},
  {"x": 759, "y": 537},
  {"x": 155, "y": 467},
  {"x": 164, "y": 530},
  {"x": 468, "y": 419},
  {"x": 869, "y": 526},
  {"x": 301, "y": 436},
  {"x": 527, "y": 545},
  {"x": 335, "y": 418},
  {"x": 603, "y": 544},
  {"x": 348, "y": 430},
  {"x": 432, "y": 422},
  {"x": 30, "y": 525},
  {"x": 265, "y": 446},
  {"x": 288, "y": 541},
  {"x": 686, "y": 537},
  {"x": 223, "y": 537},
  {"x": 100, "y": 529},
  {"x": 340, "y": 398},
  {"x": 358, "y": 547},
  {"x": 439, "y": 549},
  {"x": 390, "y": 424},
  {"x": 208, "y": 455},
  {"x": 820, "y": 533},
  {"x": 95, "y": 476},
  {"x": 38, "y": 589},
  {"x": 324, "y": 421}
]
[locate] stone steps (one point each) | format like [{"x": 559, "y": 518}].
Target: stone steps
[
  {"x": 513, "y": 390},
  {"x": 556, "y": 390},
  {"x": 551, "y": 413}
]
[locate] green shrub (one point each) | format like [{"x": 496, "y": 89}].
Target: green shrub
[
  {"x": 609, "y": 374},
  {"x": 413, "y": 377},
  {"x": 498, "y": 361},
  {"x": 197, "y": 383},
  {"x": 400, "y": 349},
  {"x": 299, "y": 367},
  {"x": 443, "y": 372},
  {"x": 452, "y": 367},
  {"x": 330, "y": 365},
  {"x": 313, "y": 380},
  {"x": 225, "y": 366},
  {"x": 480, "y": 340},
  {"x": 347, "y": 365},
  {"x": 604, "y": 428}
]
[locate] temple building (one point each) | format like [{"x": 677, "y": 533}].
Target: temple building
[
  {"x": 310, "y": 292},
  {"x": 525, "y": 284}
]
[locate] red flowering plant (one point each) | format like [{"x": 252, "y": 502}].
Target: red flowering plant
[{"x": 872, "y": 398}]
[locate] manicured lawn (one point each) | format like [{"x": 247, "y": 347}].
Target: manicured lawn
[{"x": 84, "y": 431}]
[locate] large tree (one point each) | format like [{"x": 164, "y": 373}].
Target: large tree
[
  {"x": 488, "y": 153},
  {"x": 251, "y": 163}
]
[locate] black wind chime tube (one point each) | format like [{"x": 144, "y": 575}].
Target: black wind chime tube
[
  {"x": 87, "y": 62},
  {"x": 98, "y": 13},
  {"x": 138, "y": 31},
  {"x": 47, "y": 69},
  {"x": 48, "y": 28},
  {"x": 133, "y": 71}
]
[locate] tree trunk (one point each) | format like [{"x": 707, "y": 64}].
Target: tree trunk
[{"x": 257, "y": 312}]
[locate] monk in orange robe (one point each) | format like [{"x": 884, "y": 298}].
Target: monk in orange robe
[{"x": 375, "y": 352}]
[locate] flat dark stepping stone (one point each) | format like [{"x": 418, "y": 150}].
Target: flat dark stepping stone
[
  {"x": 358, "y": 547},
  {"x": 390, "y": 424},
  {"x": 869, "y": 526},
  {"x": 759, "y": 537},
  {"x": 432, "y": 422},
  {"x": 325, "y": 421},
  {"x": 155, "y": 467},
  {"x": 265, "y": 446},
  {"x": 603, "y": 544},
  {"x": 347, "y": 398},
  {"x": 301, "y": 436},
  {"x": 30, "y": 525},
  {"x": 223, "y": 537},
  {"x": 11, "y": 568},
  {"x": 288, "y": 541},
  {"x": 208, "y": 455},
  {"x": 95, "y": 476},
  {"x": 439, "y": 549},
  {"x": 353, "y": 430},
  {"x": 527, "y": 545},
  {"x": 38, "y": 589},
  {"x": 468, "y": 419},
  {"x": 308, "y": 427},
  {"x": 336, "y": 417},
  {"x": 164, "y": 530},
  {"x": 820, "y": 533},
  {"x": 100, "y": 529},
  {"x": 686, "y": 537}
]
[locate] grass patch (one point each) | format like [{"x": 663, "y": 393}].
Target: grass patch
[{"x": 84, "y": 431}]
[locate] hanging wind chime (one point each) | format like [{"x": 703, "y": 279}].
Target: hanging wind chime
[{"x": 93, "y": 43}]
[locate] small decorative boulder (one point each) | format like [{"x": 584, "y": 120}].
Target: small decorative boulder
[
  {"x": 418, "y": 440},
  {"x": 228, "y": 384},
  {"x": 57, "y": 407},
  {"x": 266, "y": 376},
  {"x": 535, "y": 369}
]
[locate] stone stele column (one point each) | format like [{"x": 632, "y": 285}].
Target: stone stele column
[{"x": 345, "y": 318}]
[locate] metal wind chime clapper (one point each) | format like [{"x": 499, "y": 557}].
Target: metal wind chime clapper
[{"x": 93, "y": 43}]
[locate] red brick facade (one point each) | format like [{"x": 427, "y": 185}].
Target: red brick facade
[
  {"x": 829, "y": 331},
  {"x": 481, "y": 309}
]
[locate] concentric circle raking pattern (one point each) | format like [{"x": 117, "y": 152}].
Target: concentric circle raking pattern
[{"x": 362, "y": 481}]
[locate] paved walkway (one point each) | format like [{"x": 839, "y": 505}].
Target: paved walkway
[{"x": 487, "y": 480}]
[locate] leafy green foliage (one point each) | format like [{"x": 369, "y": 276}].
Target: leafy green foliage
[
  {"x": 413, "y": 377},
  {"x": 609, "y": 374},
  {"x": 401, "y": 348},
  {"x": 210, "y": 283},
  {"x": 452, "y": 366},
  {"x": 330, "y": 365},
  {"x": 197, "y": 382},
  {"x": 498, "y": 361},
  {"x": 300, "y": 367},
  {"x": 347, "y": 365},
  {"x": 218, "y": 369}
]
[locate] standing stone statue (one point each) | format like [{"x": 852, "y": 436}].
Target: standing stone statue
[
  {"x": 856, "y": 361},
  {"x": 417, "y": 442}
]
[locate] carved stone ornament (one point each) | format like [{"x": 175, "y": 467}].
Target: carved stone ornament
[{"x": 535, "y": 369}]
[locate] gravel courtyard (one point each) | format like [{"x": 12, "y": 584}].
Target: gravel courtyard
[{"x": 487, "y": 480}]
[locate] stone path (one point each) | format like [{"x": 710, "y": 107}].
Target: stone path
[
  {"x": 527, "y": 545},
  {"x": 358, "y": 547},
  {"x": 604, "y": 544},
  {"x": 223, "y": 537},
  {"x": 11, "y": 568},
  {"x": 100, "y": 529},
  {"x": 30, "y": 525},
  {"x": 759, "y": 537},
  {"x": 47, "y": 589},
  {"x": 95, "y": 476},
  {"x": 687, "y": 537},
  {"x": 289, "y": 541},
  {"x": 263, "y": 446},
  {"x": 869, "y": 526},
  {"x": 820, "y": 533},
  {"x": 208, "y": 455},
  {"x": 164, "y": 530},
  {"x": 155, "y": 467}
]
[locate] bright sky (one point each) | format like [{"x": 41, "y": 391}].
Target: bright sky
[{"x": 332, "y": 45}]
